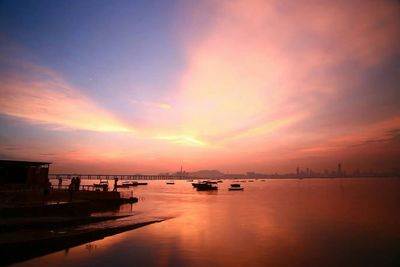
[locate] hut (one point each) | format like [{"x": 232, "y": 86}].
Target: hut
[{"x": 24, "y": 173}]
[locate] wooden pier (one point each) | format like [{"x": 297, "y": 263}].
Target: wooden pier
[{"x": 120, "y": 176}]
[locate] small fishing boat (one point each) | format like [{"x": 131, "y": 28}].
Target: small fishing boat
[
  {"x": 195, "y": 185},
  {"x": 103, "y": 184},
  {"x": 171, "y": 182},
  {"x": 235, "y": 187},
  {"x": 208, "y": 186},
  {"x": 129, "y": 183}
]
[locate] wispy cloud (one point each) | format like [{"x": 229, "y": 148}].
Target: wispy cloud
[
  {"x": 263, "y": 65},
  {"x": 41, "y": 96},
  {"x": 183, "y": 140}
]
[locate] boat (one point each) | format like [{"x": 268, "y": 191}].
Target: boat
[
  {"x": 103, "y": 184},
  {"x": 129, "y": 183},
  {"x": 195, "y": 185},
  {"x": 142, "y": 183},
  {"x": 235, "y": 187},
  {"x": 208, "y": 186},
  {"x": 171, "y": 182}
]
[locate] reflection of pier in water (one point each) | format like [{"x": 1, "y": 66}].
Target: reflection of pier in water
[{"x": 121, "y": 177}]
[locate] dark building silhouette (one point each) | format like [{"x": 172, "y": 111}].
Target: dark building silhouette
[{"x": 27, "y": 173}]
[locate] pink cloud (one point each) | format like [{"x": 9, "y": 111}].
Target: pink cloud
[{"x": 43, "y": 97}]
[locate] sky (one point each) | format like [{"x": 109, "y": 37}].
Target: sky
[{"x": 149, "y": 86}]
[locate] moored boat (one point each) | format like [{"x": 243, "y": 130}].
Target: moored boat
[
  {"x": 129, "y": 183},
  {"x": 195, "y": 185},
  {"x": 236, "y": 187},
  {"x": 103, "y": 184},
  {"x": 208, "y": 186}
]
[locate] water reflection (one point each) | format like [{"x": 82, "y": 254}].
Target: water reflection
[{"x": 334, "y": 222}]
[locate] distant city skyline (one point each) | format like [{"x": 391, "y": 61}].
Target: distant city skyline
[{"x": 242, "y": 85}]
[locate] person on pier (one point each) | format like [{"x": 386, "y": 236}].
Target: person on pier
[
  {"x": 60, "y": 182},
  {"x": 77, "y": 183},
  {"x": 71, "y": 188},
  {"x": 115, "y": 184}
]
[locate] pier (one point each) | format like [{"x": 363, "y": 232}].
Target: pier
[{"x": 121, "y": 176}]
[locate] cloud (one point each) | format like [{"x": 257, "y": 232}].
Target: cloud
[
  {"x": 40, "y": 96},
  {"x": 183, "y": 140},
  {"x": 263, "y": 81},
  {"x": 265, "y": 62},
  {"x": 158, "y": 105},
  {"x": 382, "y": 131}
]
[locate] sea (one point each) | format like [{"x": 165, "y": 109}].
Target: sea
[{"x": 272, "y": 222}]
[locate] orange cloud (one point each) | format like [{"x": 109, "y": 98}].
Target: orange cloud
[{"x": 45, "y": 98}]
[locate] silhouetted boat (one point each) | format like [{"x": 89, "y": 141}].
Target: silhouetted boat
[
  {"x": 171, "y": 182},
  {"x": 195, "y": 185},
  {"x": 206, "y": 186},
  {"x": 235, "y": 187},
  {"x": 102, "y": 184},
  {"x": 142, "y": 183},
  {"x": 129, "y": 183}
]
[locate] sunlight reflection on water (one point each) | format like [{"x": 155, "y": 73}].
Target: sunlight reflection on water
[{"x": 316, "y": 222}]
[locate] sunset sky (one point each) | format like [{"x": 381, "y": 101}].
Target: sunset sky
[{"x": 148, "y": 86}]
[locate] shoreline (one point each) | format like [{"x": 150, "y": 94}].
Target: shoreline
[{"x": 22, "y": 250}]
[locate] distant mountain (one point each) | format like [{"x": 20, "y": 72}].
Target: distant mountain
[{"x": 207, "y": 173}]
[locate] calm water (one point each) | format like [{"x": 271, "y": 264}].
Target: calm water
[{"x": 332, "y": 222}]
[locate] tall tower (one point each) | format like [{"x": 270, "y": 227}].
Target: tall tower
[{"x": 339, "y": 169}]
